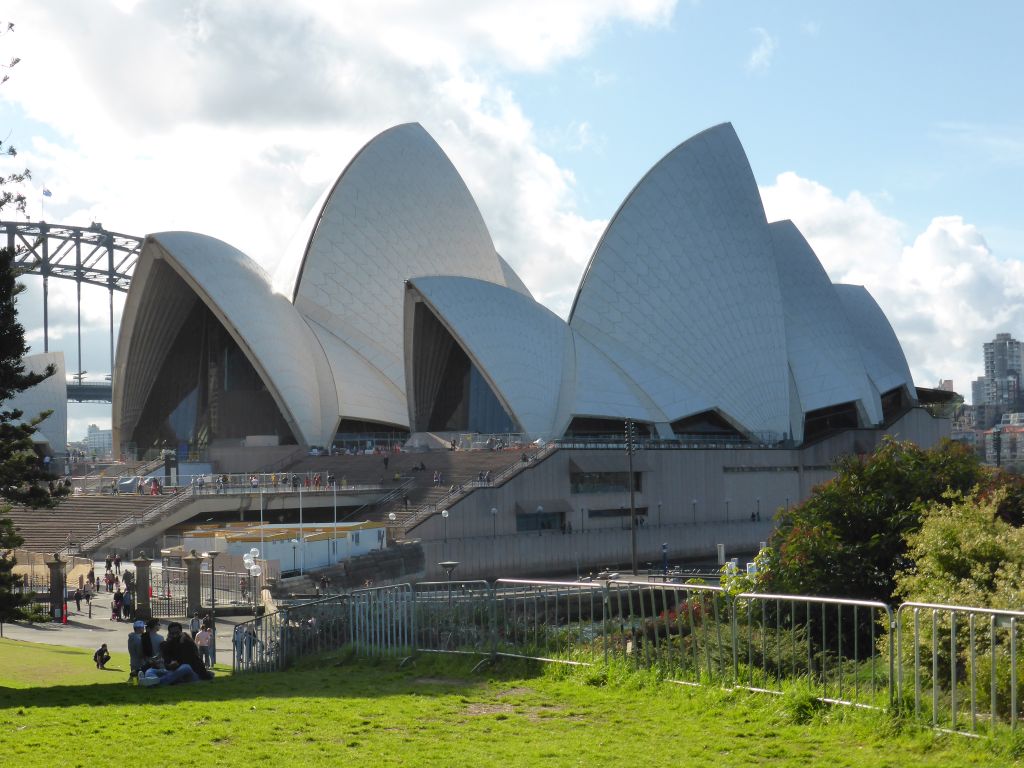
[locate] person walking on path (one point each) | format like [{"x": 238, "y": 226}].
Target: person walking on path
[
  {"x": 194, "y": 624},
  {"x": 128, "y": 606},
  {"x": 209, "y": 623},
  {"x": 117, "y": 564},
  {"x": 78, "y": 599},
  {"x": 203, "y": 639}
]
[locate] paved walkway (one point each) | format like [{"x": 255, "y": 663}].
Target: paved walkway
[{"x": 84, "y": 632}]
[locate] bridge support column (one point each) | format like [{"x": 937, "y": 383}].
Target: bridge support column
[
  {"x": 193, "y": 583},
  {"x": 143, "y": 579},
  {"x": 57, "y": 591}
]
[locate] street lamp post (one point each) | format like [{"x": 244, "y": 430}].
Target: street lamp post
[
  {"x": 630, "y": 448},
  {"x": 262, "y": 544},
  {"x": 694, "y": 510},
  {"x": 727, "y": 510},
  {"x": 449, "y": 566},
  {"x": 758, "y": 511},
  {"x": 334, "y": 537},
  {"x": 444, "y": 546},
  {"x": 302, "y": 536},
  {"x": 295, "y": 543},
  {"x": 494, "y": 539},
  {"x": 212, "y": 554},
  {"x": 540, "y": 522},
  {"x": 659, "y": 514}
]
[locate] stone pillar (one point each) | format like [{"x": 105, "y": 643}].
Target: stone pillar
[
  {"x": 57, "y": 593},
  {"x": 193, "y": 583},
  {"x": 143, "y": 580}
]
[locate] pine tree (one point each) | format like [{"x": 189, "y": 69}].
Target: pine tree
[{"x": 23, "y": 479}]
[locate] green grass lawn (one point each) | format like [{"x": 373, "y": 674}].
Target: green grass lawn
[{"x": 58, "y": 710}]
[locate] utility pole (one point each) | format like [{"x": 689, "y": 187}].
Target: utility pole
[{"x": 631, "y": 446}]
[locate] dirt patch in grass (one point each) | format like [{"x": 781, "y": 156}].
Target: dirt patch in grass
[{"x": 489, "y": 709}]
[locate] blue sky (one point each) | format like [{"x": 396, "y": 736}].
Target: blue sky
[
  {"x": 891, "y": 133},
  {"x": 914, "y": 104}
]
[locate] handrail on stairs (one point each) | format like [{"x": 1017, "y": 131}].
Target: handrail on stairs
[
  {"x": 131, "y": 522},
  {"x": 464, "y": 489},
  {"x": 385, "y": 499}
]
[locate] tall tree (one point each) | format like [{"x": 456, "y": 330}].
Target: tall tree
[
  {"x": 849, "y": 538},
  {"x": 23, "y": 479}
]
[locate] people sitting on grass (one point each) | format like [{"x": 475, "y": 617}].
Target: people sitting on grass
[
  {"x": 177, "y": 662},
  {"x": 151, "y": 642},
  {"x": 101, "y": 657},
  {"x": 181, "y": 657}
]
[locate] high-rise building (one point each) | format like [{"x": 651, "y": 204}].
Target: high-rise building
[
  {"x": 99, "y": 442},
  {"x": 978, "y": 391},
  {"x": 1002, "y": 370}
]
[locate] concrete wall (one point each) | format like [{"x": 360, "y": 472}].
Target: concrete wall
[{"x": 696, "y": 499}]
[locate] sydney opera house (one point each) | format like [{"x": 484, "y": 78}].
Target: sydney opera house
[
  {"x": 695, "y": 316},
  {"x": 717, "y": 332}
]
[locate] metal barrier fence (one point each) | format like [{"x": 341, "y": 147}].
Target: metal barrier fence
[
  {"x": 956, "y": 666},
  {"x": 454, "y": 617},
  {"x": 274, "y": 641},
  {"x": 382, "y": 620},
  {"x": 963, "y": 663},
  {"x": 694, "y": 633}
]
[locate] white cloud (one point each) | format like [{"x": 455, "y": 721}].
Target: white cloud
[
  {"x": 943, "y": 289},
  {"x": 810, "y": 28},
  {"x": 230, "y": 118},
  {"x": 760, "y": 57}
]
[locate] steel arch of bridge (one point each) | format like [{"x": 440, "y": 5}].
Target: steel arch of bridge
[{"x": 90, "y": 255}]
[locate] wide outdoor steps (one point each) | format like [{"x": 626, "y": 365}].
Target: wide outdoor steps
[
  {"x": 456, "y": 467},
  {"x": 47, "y": 530}
]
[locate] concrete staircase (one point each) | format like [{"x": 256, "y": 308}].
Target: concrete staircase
[
  {"x": 461, "y": 472},
  {"x": 76, "y": 519}
]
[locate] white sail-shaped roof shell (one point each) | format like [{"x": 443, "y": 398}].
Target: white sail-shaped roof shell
[
  {"x": 823, "y": 352},
  {"x": 174, "y": 270},
  {"x": 883, "y": 356},
  {"x": 517, "y": 344},
  {"x": 691, "y": 303},
  {"x": 399, "y": 210},
  {"x": 684, "y": 276}
]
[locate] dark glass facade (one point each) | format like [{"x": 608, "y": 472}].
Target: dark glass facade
[
  {"x": 207, "y": 390},
  {"x": 451, "y": 393}
]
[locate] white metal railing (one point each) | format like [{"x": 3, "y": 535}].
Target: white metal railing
[{"x": 462, "y": 490}]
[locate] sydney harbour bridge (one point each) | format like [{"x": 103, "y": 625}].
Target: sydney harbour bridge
[{"x": 88, "y": 255}]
